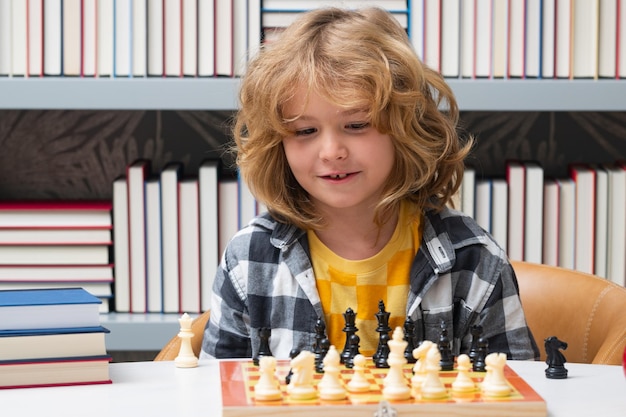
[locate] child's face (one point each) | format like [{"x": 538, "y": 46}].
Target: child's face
[{"x": 336, "y": 155}]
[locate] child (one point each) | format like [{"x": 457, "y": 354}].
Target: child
[{"x": 340, "y": 135}]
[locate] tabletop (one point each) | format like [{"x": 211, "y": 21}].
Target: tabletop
[{"x": 161, "y": 389}]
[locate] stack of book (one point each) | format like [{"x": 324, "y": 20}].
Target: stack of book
[
  {"x": 54, "y": 244},
  {"x": 51, "y": 337}
]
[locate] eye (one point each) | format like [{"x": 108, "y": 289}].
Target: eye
[
  {"x": 305, "y": 132},
  {"x": 357, "y": 126}
]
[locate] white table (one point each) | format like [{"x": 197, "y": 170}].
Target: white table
[{"x": 160, "y": 389}]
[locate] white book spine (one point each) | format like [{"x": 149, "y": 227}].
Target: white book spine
[
  {"x": 18, "y": 37},
  {"x": 105, "y": 34},
  {"x": 155, "y": 37},
  {"x": 90, "y": 38},
  {"x": 206, "y": 38},
  {"x": 190, "y": 38},
  {"x": 35, "y": 38},
  {"x": 139, "y": 41}
]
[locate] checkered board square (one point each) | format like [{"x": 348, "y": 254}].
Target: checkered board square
[{"x": 239, "y": 377}]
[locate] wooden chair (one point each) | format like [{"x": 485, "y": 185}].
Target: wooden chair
[
  {"x": 585, "y": 311},
  {"x": 171, "y": 349}
]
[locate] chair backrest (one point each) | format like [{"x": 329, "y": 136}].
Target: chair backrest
[
  {"x": 585, "y": 311},
  {"x": 171, "y": 349}
]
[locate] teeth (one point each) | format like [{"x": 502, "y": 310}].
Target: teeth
[{"x": 340, "y": 176}]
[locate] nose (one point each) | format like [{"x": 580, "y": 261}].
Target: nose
[{"x": 332, "y": 147}]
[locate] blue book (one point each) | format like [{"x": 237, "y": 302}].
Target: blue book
[{"x": 48, "y": 308}]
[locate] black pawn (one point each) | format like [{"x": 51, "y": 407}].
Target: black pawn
[
  {"x": 349, "y": 329},
  {"x": 477, "y": 332},
  {"x": 292, "y": 354},
  {"x": 383, "y": 329},
  {"x": 325, "y": 345},
  {"x": 481, "y": 354},
  {"x": 445, "y": 349},
  {"x": 264, "y": 345},
  {"x": 355, "y": 340},
  {"x": 555, "y": 359},
  {"x": 409, "y": 338}
]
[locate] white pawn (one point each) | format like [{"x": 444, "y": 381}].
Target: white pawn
[
  {"x": 359, "y": 382},
  {"x": 463, "y": 383},
  {"x": 419, "y": 369},
  {"x": 432, "y": 387},
  {"x": 268, "y": 387},
  {"x": 186, "y": 358},
  {"x": 395, "y": 384},
  {"x": 330, "y": 386},
  {"x": 495, "y": 384}
]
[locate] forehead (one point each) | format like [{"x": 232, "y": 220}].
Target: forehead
[{"x": 304, "y": 100}]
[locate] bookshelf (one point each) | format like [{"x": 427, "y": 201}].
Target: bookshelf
[{"x": 220, "y": 94}]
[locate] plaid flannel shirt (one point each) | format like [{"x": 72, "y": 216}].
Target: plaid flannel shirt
[{"x": 459, "y": 276}]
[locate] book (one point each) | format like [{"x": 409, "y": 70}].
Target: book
[
  {"x": 155, "y": 38},
  {"x": 500, "y": 39},
  {"x": 499, "y": 210},
  {"x": 228, "y": 203},
  {"x": 468, "y": 191},
  {"x": 601, "y": 220},
  {"x": 61, "y": 214},
  {"x": 73, "y": 236},
  {"x": 172, "y": 38},
  {"x": 136, "y": 175},
  {"x": 224, "y": 27},
  {"x": 450, "y": 38},
  {"x": 154, "y": 238},
  {"x": 209, "y": 227},
  {"x": 516, "y": 177},
  {"x": 562, "y": 39},
  {"x": 72, "y": 37},
  {"x": 170, "y": 176},
  {"x": 19, "y": 38},
  {"x": 432, "y": 34},
  {"x": 517, "y": 35},
  {"x": 621, "y": 40},
  {"x": 482, "y": 38},
  {"x": 5, "y": 38},
  {"x": 58, "y": 273},
  {"x": 584, "y": 240},
  {"x": 585, "y": 38},
  {"x": 52, "y": 343},
  {"x": 550, "y": 222},
  {"x": 54, "y": 254},
  {"x": 104, "y": 41},
  {"x": 122, "y": 38},
  {"x": 89, "y": 43},
  {"x": 139, "y": 38},
  {"x": 190, "y": 38},
  {"x": 55, "y": 372},
  {"x": 483, "y": 205},
  {"x": 240, "y": 37},
  {"x": 206, "y": 37},
  {"x": 52, "y": 37},
  {"x": 616, "y": 219},
  {"x": 567, "y": 222},
  {"x": 48, "y": 309},
  {"x": 416, "y": 27},
  {"x": 533, "y": 32},
  {"x": 533, "y": 212},
  {"x": 121, "y": 245},
  {"x": 607, "y": 39},
  {"x": 548, "y": 27},
  {"x": 468, "y": 46},
  {"x": 100, "y": 289},
  {"x": 189, "y": 246},
  {"x": 247, "y": 203},
  {"x": 35, "y": 39}
]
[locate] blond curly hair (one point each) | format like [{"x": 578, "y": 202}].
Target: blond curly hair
[{"x": 355, "y": 59}]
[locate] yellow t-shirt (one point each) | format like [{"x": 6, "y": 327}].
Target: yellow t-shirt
[{"x": 361, "y": 284}]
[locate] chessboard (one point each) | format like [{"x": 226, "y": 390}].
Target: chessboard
[{"x": 240, "y": 376}]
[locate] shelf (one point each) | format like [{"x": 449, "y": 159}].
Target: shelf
[
  {"x": 139, "y": 331},
  {"x": 52, "y": 93},
  {"x": 221, "y": 94}
]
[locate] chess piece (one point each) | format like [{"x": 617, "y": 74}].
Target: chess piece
[
  {"x": 445, "y": 348},
  {"x": 320, "y": 347},
  {"x": 433, "y": 388},
  {"x": 409, "y": 337},
  {"x": 186, "y": 358},
  {"x": 301, "y": 385},
  {"x": 554, "y": 358},
  {"x": 330, "y": 386},
  {"x": 359, "y": 382},
  {"x": 481, "y": 354},
  {"x": 476, "y": 331},
  {"x": 264, "y": 345},
  {"x": 349, "y": 329},
  {"x": 267, "y": 388},
  {"x": 419, "y": 369},
  {"x": 494, "y": 384},
  {"x": 395, "y": 385},
  {"x": 292, "y": 354},
  {"x": 463, "y": 383},
  {"x": 383, "y": 329},
  {"x": 354, "y": 350}
]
